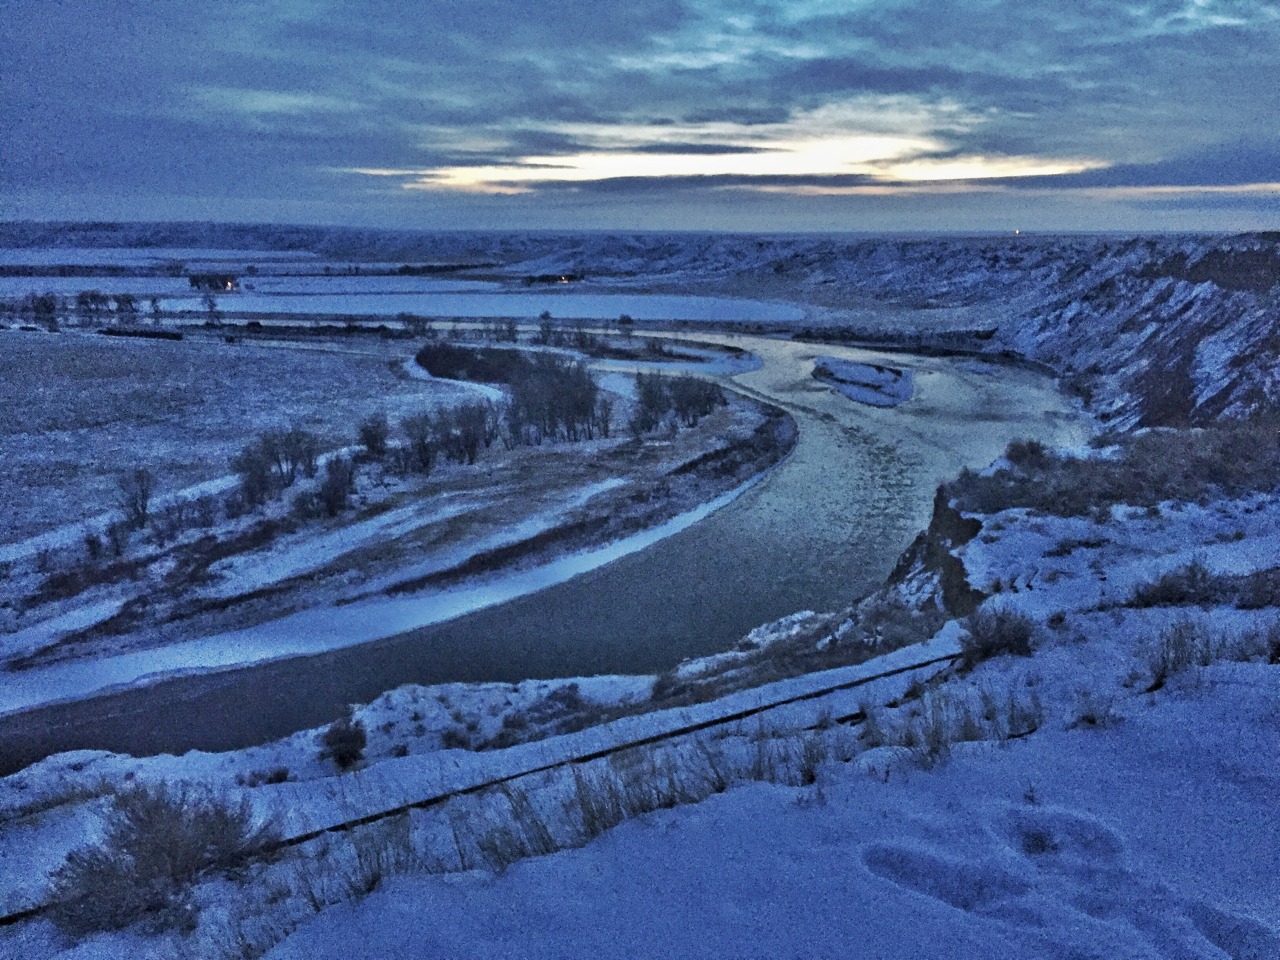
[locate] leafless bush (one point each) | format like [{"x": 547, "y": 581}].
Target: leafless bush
[
  {"x": 344, "y": 740},
  {"x": 1260, "y": 590},
  {"x": 873, "y": 733},
  {"x": 1028, "y": 454},
  {"x": 157, "y": 842},
  {"x": 375, "y": 853},
  {"x": 1185, "y": 644},
  {"x": 1094, "y": 711},
  {"x": 168, "y": 522},
  {"x": 134, "y": 490},
  {"x": 118, "y": 538},
  {"x": 1188, "y": 585},
  {"x": 419, "y": 449},
  {"x": 1230, "y": 459},
  {"x": 373, "y": 435},
  {"x": 259, "y": 777},
  {"x": 1011, "y": 716},
  {"x": 889, "y": 622},
  {"x": 523, "y": 835},
  {"x": 335, "y": 490},
  {"x": 597, "y": 799},
  {"x": 993, "y": 631},
  {"x": 273, "y": 461},
  {"x": 92, "y": 546}
]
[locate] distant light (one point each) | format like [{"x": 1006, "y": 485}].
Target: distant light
[{"x": 1017, "y": 233}]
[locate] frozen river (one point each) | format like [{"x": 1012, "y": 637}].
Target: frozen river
[
  {"x": 560, "y": 303},
  {"x": 823, "y": 527}
]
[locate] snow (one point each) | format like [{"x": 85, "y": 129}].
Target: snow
[
  {"x": 144, "y": 287},
  {"x": 869, "y": 383},
  {"x": 1148, "y": 832},
  {"x": 42, "y": 634},
  {"x": 1107, "y": 561},
  {"x": 331, "y": 628},
  {"x": 580, "y": 306},
  {"x": 308, "y": 552},
  {"x": 69, "y": 534},
  {"x": 1134, "y": 822},
  {"x": 1074, "y": 843},
  {"x": 417, "y": 372},
  {"x": 138, "y": 256}
]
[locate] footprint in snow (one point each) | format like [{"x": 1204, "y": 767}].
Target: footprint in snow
[
  {"x": 1089, "y": 856},
  {"x": 1062, "y": 877},
  {"x": 963, "y": 884}
]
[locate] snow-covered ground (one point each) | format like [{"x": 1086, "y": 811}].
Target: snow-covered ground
[
  {"x": 1087, "y": 800},
  {"x": 528, "y": 304},
  {"x": 1152, "y": 839},
  {"x": 877, "y": 385},
  {"x": 140, "y": 256},
  {"x": 77, "y": 411}
]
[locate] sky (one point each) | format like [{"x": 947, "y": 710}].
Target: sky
[{"x": 847, "y": 115}]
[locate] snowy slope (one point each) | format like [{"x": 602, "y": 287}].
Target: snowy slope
[{"x": 1165, "y": 330}]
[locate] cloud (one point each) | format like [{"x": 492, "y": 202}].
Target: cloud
[
  {"x": 258, "y": 99},
  {"x": 1239, "y": 163}
]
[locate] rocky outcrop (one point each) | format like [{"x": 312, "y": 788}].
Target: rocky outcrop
[{"x": 932, "y": 556}]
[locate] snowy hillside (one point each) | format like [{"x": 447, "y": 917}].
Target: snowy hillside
[
  {"x": 1169, "y": 330},
  {"x": 1094, "y": 776}
]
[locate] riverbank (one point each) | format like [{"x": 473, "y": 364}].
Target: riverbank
[{"x": 851, "y": 495}]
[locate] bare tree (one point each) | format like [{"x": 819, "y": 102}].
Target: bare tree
[
  {"x": 135, "y": 488},
  {"x": 373, "y": 435},
  {"x": 211, "y": 305}
]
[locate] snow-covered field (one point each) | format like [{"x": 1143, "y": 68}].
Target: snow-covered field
[
  {"x": 76, "y": 411},
  {"x": 142, "y": 256},
  {"x": 527, "y": 304}
]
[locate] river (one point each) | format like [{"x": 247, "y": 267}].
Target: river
[{"x": 825, "y": 526}]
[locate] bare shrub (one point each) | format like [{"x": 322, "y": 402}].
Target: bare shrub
[
  {"x": 1188, "y": 585},
  {"x": 890, "y": 622},
  {"x": 373, "y": 435},
  {"x": 1260, "y": 590},
  {"x": 377, "y": 852},
  {"x": 335, "y": 490},
  {"x": 1013, "y": 717},
  {"x": 157, "y": 842},
  {"x": 455, "y": 738},
  {"x": 419, "y": 450},
  {"x": 253, "y": 466},
  {"x": 1185, "y": 644},
  {"x": 273, "y": 461},
  {"x": 1094, "y": 711},
  {"x": 134, "y": 490},
  {"x": 1028, "y": 454},
  {"x": 934, "y": 732},
  {"x": 597, "y": 798},
  {"x": 993, "y": 631},
  {"x": 92, "y": 546},
  {"x": 873, "y": 734},
  {"x": 118, "y": 538},
  {"x": 258, "y": 777},
  {"x": 169, "y": 522},
  {"x": 812, "y": 754},
  {"x": 1229, "y": 458},
  {"x": 344, "y": 740}
]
